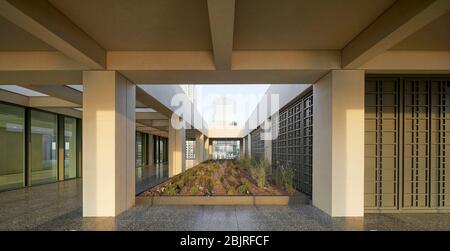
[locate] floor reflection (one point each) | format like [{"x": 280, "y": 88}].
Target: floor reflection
[{"x": 151, "y": 175}]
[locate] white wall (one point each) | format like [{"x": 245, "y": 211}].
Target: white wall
[
  {"x": 285, "y": 92},
  {"x": 165, "y": 93}
]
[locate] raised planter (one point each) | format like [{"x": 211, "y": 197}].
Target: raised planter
[{"x": 213, "y": 200}]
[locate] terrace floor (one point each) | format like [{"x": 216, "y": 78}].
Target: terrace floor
[{"x": 58, "y": 207}]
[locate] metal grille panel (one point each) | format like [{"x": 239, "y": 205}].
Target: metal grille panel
[
  {"x": 406, "y": 146},
  {"x": 293, "y": 146},
  {"x": 257, "y": 145},
  {"x": 381, "y": 143}
]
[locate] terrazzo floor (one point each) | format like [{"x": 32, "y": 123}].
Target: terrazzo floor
[{"x": 58, "y": 207}]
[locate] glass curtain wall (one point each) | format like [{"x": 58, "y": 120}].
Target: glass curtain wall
[
  {"x": 226, "y": 149},
  {"x": 141, "y": 149},
  {"x": 19, "y": 166},
  {"x": 12, "y": 147},
  {"x": 161, "y": 149},
  {"x": 43, "y": 159},
  {"x": 70, "y": 148}
]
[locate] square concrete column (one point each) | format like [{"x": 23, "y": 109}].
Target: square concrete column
[
  {"x": 206, "y": 149},
  {"x": 249, "y": 146},
  {"x": 241, "y": 148},
  {"x": 108, "y": 143},
  {"x": 199, "y": 145},
  {"x": 210, "y": 149},
  {"x": 177, "y": 150},
  {"x": 338, "y": 143}
]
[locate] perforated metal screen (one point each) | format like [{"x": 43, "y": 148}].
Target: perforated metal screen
[
  {"x": 406, "y": 146},
  {"x": 257, "y": 145},
  {"x": 293, "y": 146}
]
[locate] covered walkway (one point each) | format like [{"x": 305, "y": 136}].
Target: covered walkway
[{"x": 58, "y": 206}]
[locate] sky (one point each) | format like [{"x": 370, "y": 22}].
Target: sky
[{"x": 221, "y": 105}]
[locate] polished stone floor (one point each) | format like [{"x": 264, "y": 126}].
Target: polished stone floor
[
  {"x": 149, "y": 176},
  {"x": 58, "y": 207}
]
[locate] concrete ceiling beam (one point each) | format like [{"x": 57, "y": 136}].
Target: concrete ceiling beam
[
  {"x": 401, "y": 20},
  {"x": 59, "y": 91},
  {"x": 47, "y": 23},
  {"x": 221, "y": 21}
]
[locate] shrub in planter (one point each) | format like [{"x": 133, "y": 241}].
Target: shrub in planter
[
  {"x": 261, "y": 174},
  {"x": 191, "y": 178},
  {"x": 288, "y": 179},
  {"x": 180, "y": 183},
  {"x": 268, "y": 171},
  {"x": 278, "y": 177},
  {"x": 210, "y": 184},
  {"x": 244, "y": 188},
  {"x": 171, "y": 189},
  {"x": 231, "y": 183},
  {"x": 228, "y": 171},
  {"x": 194, "y": 190},
  {"x": 230, "y": 190},
  {"x": 284, "y": 177}
]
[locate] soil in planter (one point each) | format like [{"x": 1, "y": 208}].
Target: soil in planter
[{"x": 214, "y": 178}]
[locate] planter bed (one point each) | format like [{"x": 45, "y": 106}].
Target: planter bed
[
  {"x": 213, "y": 200},
  {"x": 219, "y": 183}
]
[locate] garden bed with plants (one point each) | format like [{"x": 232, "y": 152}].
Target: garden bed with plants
[{"x": 242, "y": 182}]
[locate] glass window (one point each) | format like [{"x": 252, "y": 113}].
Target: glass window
[
  {"x": 226, "y": 149},
  {"x": 12, "y": 147},
  {"x": 161, "y": 150},
  {"x": 139, "y": 148},
  {"x": 70, "y": 148},
  {"x": 44, "y": 166}
]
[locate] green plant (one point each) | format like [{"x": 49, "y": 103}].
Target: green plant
[
  {"x": 288, "y": 179},
  {"x": 244, "y": 188},
  {"x": 228, "y": 171},
  {"x": 230, "y": 190},
  {"x": 284, "y": 178},
  {"x": 171, "y": 189},
  {"x": 278, "y": 177},
  {"x": 210, "y": 184},
  {"x": 268, "y": 171},
  {"x": 231, "y": 183},
  {"x": 194, "y": 190},
  {"x": 180, "y": 183},
  {"x": 261, "y": 174},
  {"x": 221, "y": 179},
  {"x": 244, "y": 163}
]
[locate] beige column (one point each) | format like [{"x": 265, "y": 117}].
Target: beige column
[
  {"x": 210, "y": 149},
  {"x": 108, "y": 143},
  {"x": 199, "y": 144},
  {"x": 177, "y": 150},
  {"x": 241, "y": 148},
  {"x": 249, "y": 145},
  {"x": 338, "y": 143},
  {"x": 206, "y": 149}
]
